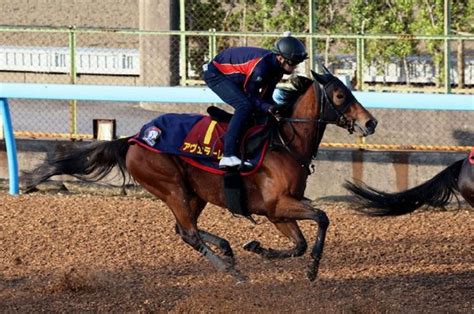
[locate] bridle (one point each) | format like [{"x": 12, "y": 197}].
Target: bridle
[
  {"x": 341, "y": 119},
  {"x": 327, "y": 109}
]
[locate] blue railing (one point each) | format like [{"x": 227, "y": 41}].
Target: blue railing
[{"x": 377, "y": 100}]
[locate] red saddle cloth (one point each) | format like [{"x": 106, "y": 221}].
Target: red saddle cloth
[{"x": 205, "y": 139}]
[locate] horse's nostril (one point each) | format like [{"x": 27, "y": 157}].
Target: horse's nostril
[{"x": 371, "y": 124}]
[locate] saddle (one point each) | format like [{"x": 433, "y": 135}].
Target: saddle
[{"x": 219, "y": 114}]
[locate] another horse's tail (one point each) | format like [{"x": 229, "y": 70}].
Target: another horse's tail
[
  {"x": 435, "y": 192},
  {"x": 90, "y": 163}
]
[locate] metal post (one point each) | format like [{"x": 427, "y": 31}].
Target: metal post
[
  {"x": 210, "y": 51},
  {"x": 214, "y": 42},
  {"x": 11, "y": 147},
  {"x": 447, "y": 52},
  {"x": 182, "y": 42},
  {"x": 73, "y": 78},
  {"x": 312, "y": 49},
  {"x": 362, "y": 62},
  {"x": 359, "y": 76}
]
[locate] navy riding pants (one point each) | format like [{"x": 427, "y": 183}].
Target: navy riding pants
[{"x": 231, "y": 94}]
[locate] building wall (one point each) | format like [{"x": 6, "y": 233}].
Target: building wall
[
  {"x": 159, "y": 64},
  {"x": 81, "y": 13}
]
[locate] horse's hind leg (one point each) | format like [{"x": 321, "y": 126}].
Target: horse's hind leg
[
  {"x": 162, "y": 176},
  {"x": 187, "y": 229},
  {"x": 289, "y": 229},
  {"x": 197, "y": 238},
  {"x": 197, "y": 205},
  {"x": 222, "y": 244}
]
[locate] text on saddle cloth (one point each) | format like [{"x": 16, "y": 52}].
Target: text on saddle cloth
[{"x": 205, "y": 139}]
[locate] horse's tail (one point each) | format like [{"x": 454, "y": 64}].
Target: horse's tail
[
  {"x": 91, "y": 163},
  {"x": 435, "y": 192}
]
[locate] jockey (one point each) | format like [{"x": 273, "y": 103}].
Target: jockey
[{"x": 245, "y": 78}]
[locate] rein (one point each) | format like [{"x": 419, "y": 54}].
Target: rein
[{"x": 321, "y": 122}]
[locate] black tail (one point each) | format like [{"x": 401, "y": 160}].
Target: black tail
[
  {"x": 90, "y": 163},
  {"x": 435, "y": 192}
]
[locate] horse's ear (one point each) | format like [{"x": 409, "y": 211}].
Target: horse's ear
[
  {"x": 326, "y": 71},
  {"x": 318, "y": 77}
]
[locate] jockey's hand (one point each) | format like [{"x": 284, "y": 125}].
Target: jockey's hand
[{"x": 274, "y": 110}]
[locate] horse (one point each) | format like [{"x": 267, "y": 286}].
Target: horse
[
  {"x": 435, "y": 192},
  {"x": 275, "y": 190}
]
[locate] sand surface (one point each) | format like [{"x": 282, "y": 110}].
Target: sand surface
[{"x": 64, "y": 253}]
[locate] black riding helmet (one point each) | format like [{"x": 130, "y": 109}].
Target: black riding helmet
[{"x": 291, "y": 48}]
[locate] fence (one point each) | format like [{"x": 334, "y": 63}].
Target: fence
[
  {"x": 162, "y": 60},
  {"x": 117, "y": 61}
]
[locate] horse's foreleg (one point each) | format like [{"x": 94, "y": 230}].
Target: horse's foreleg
[
  {"x": 317, "y": 251},
  {"x": 289, "y": 229},
  {"x": 289, "y": 208}
]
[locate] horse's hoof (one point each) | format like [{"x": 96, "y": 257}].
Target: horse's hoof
[
  {"x": 252, "y": 246},
  {"x": 241, "y": 279},
  {"x": 311, "y": 274},
  {"x": 229, "y": 261},
  {"x": 238, "y": 276}
]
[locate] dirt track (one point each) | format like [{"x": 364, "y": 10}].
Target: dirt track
[{"x": 92, "y": 253}]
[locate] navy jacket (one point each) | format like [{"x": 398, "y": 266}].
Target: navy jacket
[{"x": 255, "y": 70}]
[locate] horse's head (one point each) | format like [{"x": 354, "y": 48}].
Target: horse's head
[{"x": 339, "y": 106}]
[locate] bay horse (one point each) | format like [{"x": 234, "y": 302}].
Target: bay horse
[
  {"x": 435, "y": 192},
  {"x": 275, "y": 190}
]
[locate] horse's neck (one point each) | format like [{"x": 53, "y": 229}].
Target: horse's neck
[{"x": 307, "y": 135}]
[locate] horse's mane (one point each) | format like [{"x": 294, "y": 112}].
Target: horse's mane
[
  {"x": 300, "y": 84},
  {"x": 289, "y": 96}
]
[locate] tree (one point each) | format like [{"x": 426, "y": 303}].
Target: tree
[
  {"x": 462, "y": 22},
  {"x": 201, "y": 16},
  {"x": 330, "y": 19},
  {"x": 431, "y": 22},
  {"x": 389, "y": 17}
]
